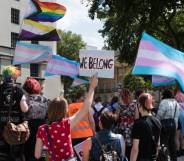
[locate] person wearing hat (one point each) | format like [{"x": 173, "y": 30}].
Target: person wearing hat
[
  {"x": 11, "y": 97},
  {"x": 146, "y": 128}
]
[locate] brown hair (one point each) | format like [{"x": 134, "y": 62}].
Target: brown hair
[
  {"x": 57, "y": 109},
  {"x": 126, "y": 97},
  {"x": 107, "y": 119},
  {"x": 145, "y": 100}
]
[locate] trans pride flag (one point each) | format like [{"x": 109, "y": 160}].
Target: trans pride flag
[
  {"x": 162, "y": 81},
  {"x": 26, "y": 53},
  {"x": 158, "y": 59},
  {"x": 77, "y": 81},
  {"x": 59, "y": 65}
]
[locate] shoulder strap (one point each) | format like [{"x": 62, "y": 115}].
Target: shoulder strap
[
  {"x": 175, "y": 110},
  {"x": 49, "y": 140},
  {"x": 11, "y": 104},
  {"x": 95, "y": 109}
]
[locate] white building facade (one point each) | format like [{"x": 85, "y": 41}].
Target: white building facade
[{"x": 11, "y": 15}]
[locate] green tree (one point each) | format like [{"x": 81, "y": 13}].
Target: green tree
[
  {"x": 69, "y": 47},
  {"x": 134, "y": 82},
  {"x": 125, "y": 20}
]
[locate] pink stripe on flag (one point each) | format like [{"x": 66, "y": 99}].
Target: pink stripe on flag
[
  {"x": 28, "y": 50},
  {"x": 58, "y": 72},
  {"x": 147, "y": 45},
  {"x": 63, "y": 63},
  {"x": 22, "y": 59}
]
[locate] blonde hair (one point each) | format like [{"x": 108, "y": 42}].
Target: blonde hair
[{"x": 57, "y": 109}]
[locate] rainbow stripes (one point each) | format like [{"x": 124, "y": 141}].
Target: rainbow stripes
[
  {"x": 48, "y": 12},
  {"x": 31, "y": 53},
  {"x": 158, "y": 59}
]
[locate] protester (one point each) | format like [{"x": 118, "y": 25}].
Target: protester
[
  {"x": 11, "y": 96},
  {"x": 92, "y": 149},
  {"x": 56, "y": 136},
  {"x": 86, "y": 126},
  {"x": 144, "y": 130},
  {"x": 36, "y": 114},
  {"x": 126, "y": 118},
  {"x": 180, "y": 132},
  {"x": 168, "y": 113},
  {"x": 114, "y": 105},
  {"x": 98, "y": 104}
]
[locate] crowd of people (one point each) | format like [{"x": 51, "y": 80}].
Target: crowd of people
[{"x": 126, "y": 128}]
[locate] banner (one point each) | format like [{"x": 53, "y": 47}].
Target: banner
[
  {"x": 158, "y": 59},
  {"x": 31, "y": 53},
  {"x": 59, "y": 65},
  {"x": 96, "y": 61}
]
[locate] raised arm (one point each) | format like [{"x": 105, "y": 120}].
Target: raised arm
[{"x": 87, "y": 103}]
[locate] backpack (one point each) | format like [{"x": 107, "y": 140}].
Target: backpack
[
  {"x": 14, "y": 134},
  {"x": 108, "y": 152},
  {"x": 96, "y": 116}
]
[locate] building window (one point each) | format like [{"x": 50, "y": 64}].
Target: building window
[
  {"x": 14, "y": 38},
  {"x": 34, "y": 70},
  {"x": 34, "y": 42},
  {"x": 15, "y": 15}
]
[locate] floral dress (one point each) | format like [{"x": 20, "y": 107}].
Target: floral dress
[
  {"x": 60, "y": 146},
  {"x": 126, "y": 121}
]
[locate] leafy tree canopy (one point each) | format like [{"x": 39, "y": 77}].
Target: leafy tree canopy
[
  {"x": 125, "y": 20},
  {"x": 69, "y": 47}
]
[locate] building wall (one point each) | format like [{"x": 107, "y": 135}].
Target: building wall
[{"x": 52, "y": 85}]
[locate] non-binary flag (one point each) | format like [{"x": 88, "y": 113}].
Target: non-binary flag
[
  {"x": 59, "y": 65},
  {"x": 77, "y": 81},
  {"x": 47, "y": 11},
  {"x": 31, "y": 53},
  {"x": 158, "y": 59},
  {"x": 32, "y": 30}
]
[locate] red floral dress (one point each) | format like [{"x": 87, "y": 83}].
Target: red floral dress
[{"x": 61, "y": 145}]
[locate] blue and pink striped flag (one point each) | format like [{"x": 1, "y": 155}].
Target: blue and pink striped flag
[
  {"x": 158, "y": 59},
  {"x": 162, "y": 81},
  {"x": 77, "y": 81},
  {"x": 31, "y": 53},
  {"x": 59, "y": 65}
]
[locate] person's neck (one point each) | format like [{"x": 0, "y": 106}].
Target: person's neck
[{"x": 145, "y": 113}]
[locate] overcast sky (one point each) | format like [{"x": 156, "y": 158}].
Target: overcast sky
[{"x": 76, "y": 20}]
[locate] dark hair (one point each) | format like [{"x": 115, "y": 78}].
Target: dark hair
[
  {"x": 167, "y": 94},
  {"x": 98, "y": 99},
  {"x": 79, "y": 95},
  {"x": 107, "y": 119},
  {"x": 114, "y": 99},
  {"x": 57, "y": 109},
  {"x": 138, "y": 93},
  {"x": 32, "y": 86}
]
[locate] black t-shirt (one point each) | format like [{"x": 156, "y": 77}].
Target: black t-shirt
[{"x": 141, "y": 131}]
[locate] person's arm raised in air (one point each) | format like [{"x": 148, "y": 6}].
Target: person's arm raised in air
[{"x": 87, "y": 103}]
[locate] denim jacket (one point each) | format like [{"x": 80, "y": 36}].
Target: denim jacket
[{"x": 106, "y": 137}]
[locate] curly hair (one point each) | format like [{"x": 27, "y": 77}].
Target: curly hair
[{"x": 32, "y": 86}]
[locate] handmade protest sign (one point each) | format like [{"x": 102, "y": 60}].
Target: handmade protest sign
[
  {"x": 96, "y": 61},
  {"x": 79, "y": 149}
]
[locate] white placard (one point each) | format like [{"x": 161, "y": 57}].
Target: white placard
[
  {"x": 79, "y": 149},
  {"x": 96, "y": 61}
]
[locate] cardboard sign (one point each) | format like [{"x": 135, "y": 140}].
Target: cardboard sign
[
  {"x": 97, "y": 61},
  {"x": 79, "y": 149}
]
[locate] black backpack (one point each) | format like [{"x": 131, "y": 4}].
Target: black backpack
[
  {"x": 108, "y": 152},
  {"x": 96, "y": 116}
]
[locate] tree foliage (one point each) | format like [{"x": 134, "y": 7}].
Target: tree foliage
[
  {"x": 125, "y": 20},
  {"x": 134, "y": 83},
  {"x": 69, "y": 47}
]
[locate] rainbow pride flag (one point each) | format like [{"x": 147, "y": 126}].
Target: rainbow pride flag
[
  {"x": 158, "y": 59},
  {"x": 59, "y": 65},
  {"x": 47, "y": 11},
  {"x": 26, "y": 53}
]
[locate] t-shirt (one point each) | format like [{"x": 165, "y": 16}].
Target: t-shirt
[
  {"x": 142, "y": 132},
  {"x": 61, "y": 145}
]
